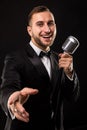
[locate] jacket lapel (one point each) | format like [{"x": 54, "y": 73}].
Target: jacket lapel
[
  {"x": 36, "y": 61},
  {"x": 54, "y": 69},
  {"x": 56, "y": 74}
]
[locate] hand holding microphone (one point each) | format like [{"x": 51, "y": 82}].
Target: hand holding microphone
[{"x": 66, "y": 59}]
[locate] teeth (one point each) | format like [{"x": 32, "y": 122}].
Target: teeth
[{"x": 46, "y": 36}]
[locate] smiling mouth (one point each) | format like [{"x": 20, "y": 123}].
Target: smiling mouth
[{"x": 47, "y": 37}]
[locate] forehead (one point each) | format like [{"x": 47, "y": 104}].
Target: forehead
[{"x": 42, "y": 16}]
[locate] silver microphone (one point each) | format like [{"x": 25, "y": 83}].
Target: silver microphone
[{"x": 70, "y": 45}]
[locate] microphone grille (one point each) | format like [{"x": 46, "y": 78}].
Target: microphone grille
[{"x": 70, "y": 45}]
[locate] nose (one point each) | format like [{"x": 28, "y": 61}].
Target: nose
[{"x": 46, "y": 28}]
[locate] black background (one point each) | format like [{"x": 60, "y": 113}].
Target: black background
[{"x": 70, "y": 18}]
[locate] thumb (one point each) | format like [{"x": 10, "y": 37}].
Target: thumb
[{"x": 13, "y": 97}]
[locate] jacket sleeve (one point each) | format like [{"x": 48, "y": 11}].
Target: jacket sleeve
[
  {"x": 70, "y": 88},
  {"x": 10, "y": 81}
]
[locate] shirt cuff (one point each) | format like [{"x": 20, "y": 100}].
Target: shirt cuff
[{"x": 10, "y": 112}]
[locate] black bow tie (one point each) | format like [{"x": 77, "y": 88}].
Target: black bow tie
[{"x": 44, "y": 54}]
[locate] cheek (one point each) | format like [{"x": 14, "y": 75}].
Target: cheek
[{"x": 35, "y": 32}]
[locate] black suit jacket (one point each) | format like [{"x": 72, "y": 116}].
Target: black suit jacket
[{"x": 25, "y": 69}]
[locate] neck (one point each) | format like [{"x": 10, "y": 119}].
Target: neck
[{"x": 44, "y": 48}]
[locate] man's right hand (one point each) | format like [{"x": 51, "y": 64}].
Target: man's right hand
[{"x": 16, "y": 101}]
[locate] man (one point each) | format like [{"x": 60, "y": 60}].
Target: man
[{"x": 34, "y": 84}]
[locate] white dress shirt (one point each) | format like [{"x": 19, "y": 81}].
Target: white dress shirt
[{"x": 44, "y": 59}]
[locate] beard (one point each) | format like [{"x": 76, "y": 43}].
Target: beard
[{"x": 40, "y": 43}]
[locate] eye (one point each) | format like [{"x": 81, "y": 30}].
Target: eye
[
  {"x": 40, "y": 24},
  {"x": 51, "y": 23}
]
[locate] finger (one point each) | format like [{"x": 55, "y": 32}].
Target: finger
[
  {"x": 20, "y": 108},
  {"x": 65, "y": 55},
  {"x": 66, "y": 59},
  {"x": 15, "y": 110},
  {"x": 21, "y": 116},
  {"x": 20, "y": 112},
  {"x": 29, "y": 91}
]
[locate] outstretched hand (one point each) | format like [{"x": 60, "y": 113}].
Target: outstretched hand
[{"x": 16, "y": 101}]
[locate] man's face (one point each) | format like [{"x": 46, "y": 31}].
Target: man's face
[{"x": 42, "y": 29}]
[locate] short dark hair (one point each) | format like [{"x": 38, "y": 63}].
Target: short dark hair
[{"x": 37, "y": 9}]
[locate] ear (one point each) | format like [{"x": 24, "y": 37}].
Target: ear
[{"x": 29, "y": 30}]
